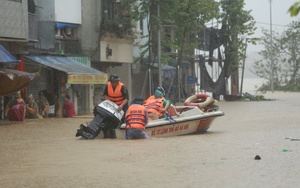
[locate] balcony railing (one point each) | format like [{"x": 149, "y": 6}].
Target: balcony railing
[{"x": 68, "y": 46}]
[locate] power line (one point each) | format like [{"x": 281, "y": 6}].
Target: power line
[{"x": 263, "y": 23}]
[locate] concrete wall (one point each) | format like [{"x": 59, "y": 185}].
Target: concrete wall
[
  {"x": 65, "y": 14},
  {"x": 46, "y": 12},
  {"x": 13, "y": 19},
  {"x": 89, "y": 27},
  {"x": 122, "y": 50}
]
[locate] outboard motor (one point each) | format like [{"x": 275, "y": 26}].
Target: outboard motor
[{"x": 107, "y": 117}]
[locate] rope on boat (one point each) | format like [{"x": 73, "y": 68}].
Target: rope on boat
[{"x": 168, "y": 117}]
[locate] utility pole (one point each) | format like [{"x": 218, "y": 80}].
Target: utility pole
[
  {"x": 271, "y": 49},
  {"x": 159, "y": 48},
  {"x": 243, "y": 68}
]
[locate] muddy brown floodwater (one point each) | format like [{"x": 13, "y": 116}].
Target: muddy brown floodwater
[{"x": 46, "y": 153}]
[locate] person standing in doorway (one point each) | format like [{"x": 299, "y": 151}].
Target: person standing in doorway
[
  {"x": 58, "y": 107},
  {"x": 69, "y": 109},
  {"x": 43, "y": 104}
]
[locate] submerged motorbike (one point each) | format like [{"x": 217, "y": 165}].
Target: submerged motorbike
[{"x": 106, "y": 118}]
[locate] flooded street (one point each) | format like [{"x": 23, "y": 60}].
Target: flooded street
[{"x": 46, "y": 153}]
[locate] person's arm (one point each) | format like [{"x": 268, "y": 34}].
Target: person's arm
[
  {"x": 34, "y": 110},
  {"x": 125, "y": 96},
  {"x": 46, "y": 107},
  {"x": 123, "y": 104},
  {"x": 30, "y": 110},
  {"x": 166, "y": 104},
  {"x": 8, "y": 106},
  {"x": 24, "y": 106},
  {"x": 146, "y": 117},
  {"x": 105, "y": 93}
]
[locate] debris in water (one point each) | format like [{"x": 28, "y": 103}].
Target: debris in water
[{"x": 257, "y": 157}]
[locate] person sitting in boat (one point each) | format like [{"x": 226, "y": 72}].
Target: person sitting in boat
[
  {"x": 161, "y": 89},
  {"x": 157, "y": 105},
  {"x": 136, "y": 119}
]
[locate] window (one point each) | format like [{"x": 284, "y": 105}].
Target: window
[
  {"x": 31, "y": 6},
  {"x": 109, "y": 9},
  {"x": 116, "y": 17}
]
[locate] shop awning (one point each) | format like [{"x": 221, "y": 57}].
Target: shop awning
[
  {"x": 6, "y": 57},
  {"x": 12, "y": 80},
  {"x": 78, "y": 73}
]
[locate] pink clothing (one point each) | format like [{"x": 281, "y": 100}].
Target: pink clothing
[
  {"x": 69, "y": 109},
  {"x": 17, "y": 112}
]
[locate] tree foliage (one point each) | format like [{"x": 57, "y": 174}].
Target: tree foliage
[
  {"x": 286, "y": 59},
  {"x": 118, "y": 18},
  {"x": 294, "y": 9},
  {"x": 179, "y": 22},
  {"x": 179, "y": 18},
  {"x": 237, "y": 26}
]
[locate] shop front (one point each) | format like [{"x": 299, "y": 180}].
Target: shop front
[{"x": 61, "y": 75}]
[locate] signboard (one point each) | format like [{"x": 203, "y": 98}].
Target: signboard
[
  {"x": 87, "y": 79},
  {"x": 192, "y": 80}
]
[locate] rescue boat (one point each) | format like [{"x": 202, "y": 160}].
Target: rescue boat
[{"x": 182, "y": 120}]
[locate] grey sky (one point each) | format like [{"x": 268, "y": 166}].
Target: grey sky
[{"x": 261, "y": 13}]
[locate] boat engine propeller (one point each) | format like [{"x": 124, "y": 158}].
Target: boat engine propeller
[{"x": 107, "y": 117}]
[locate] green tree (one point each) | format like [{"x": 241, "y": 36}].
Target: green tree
[
  {"x": 118, "y": 18},
  {"x": 237, "y": 26},
  {"x": 286, "y": 59},
  {"x": 183, "y": 19},
  {"x": 189, "y": 16},
  {"x": 262, "y": 67},
  {"x": 180, "y": 22},
  {"x": 294, "y": 9}
]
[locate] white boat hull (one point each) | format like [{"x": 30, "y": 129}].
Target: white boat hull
[{"x": 189, "y": 122}]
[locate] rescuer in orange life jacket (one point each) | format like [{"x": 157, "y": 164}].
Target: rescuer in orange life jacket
[
  {"x": 157, "y": 104},
  {"x": 117, "y": 92},
  {"x": 136, "y": 120}
]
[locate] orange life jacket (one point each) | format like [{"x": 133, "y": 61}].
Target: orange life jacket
[
  {"x": 136, "y": 117},
  {"x": 153, "y": 97},
  {"x": 115, "y": 95},
  {"x": 154, "y": 106}
]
